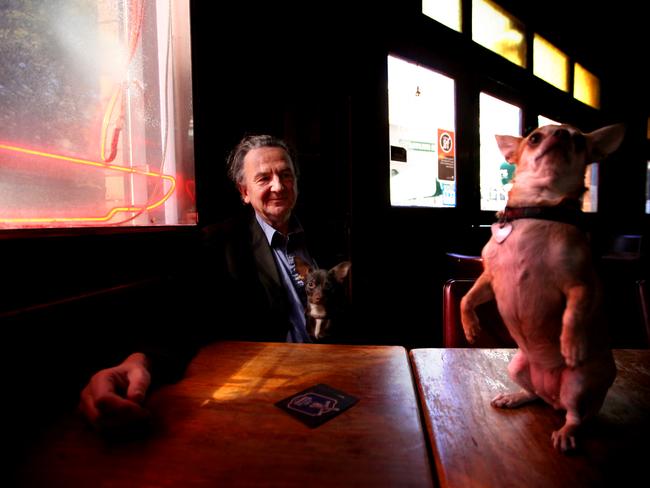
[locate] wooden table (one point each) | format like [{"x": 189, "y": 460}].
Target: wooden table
[
  {"x": 219, "y": 426},
  {"x": 476, "y": 445}
]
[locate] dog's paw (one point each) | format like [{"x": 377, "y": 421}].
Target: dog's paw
[
  {"x": 472, "y": 331},
  {"x": 471, "y": 325},
  {"x": 512, "y": 400},
  {"x": 564, "y": 439},
  {"x": 573, "y": 352}
]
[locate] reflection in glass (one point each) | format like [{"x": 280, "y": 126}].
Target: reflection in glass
[
  {"x": 543, "y": 120},
  {"x": 550, "y": 64},
  {"x": 422, "y": 136},
  {"x": 447, "y": 12},
  {"x": 95, "y": 114},
  {"x": 586, "y": 86},
  {"x": 498, "y": 31},
  {"x": 496, "y": 118},
  {"x": 647, "y": 189}
]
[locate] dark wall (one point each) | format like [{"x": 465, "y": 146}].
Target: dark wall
[{"x": 317, "y": 77}]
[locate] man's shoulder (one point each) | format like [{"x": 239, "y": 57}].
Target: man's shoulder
[{"x": 235, "y": 227}]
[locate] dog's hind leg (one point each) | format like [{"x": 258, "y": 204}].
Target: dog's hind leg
[
  {"x": 582, "y": 393},
  {"x": 519, "y": 372}
]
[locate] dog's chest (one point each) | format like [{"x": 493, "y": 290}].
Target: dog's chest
[{"x": 522, "y": 250}]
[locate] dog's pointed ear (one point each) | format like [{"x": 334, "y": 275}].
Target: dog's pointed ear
[
  {"x": 508, "y": 146},
  {"x": 604, "y": 141},
  {"x": 342, "y": 270},
  {"x": 302, "y": 268}
]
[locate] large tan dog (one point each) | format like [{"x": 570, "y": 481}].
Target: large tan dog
[{"x": 538, "y": 266}]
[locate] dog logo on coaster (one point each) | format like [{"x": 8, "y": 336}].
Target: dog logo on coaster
[
  {"x": 317, "y": 404},
  {"x": 313, "y": 404}
]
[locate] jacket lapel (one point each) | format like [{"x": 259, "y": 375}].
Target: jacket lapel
[{"x": 266, "y": 267}]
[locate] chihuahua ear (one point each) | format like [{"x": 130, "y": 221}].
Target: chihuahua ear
[
  {"x": 302, "y": 268},
  {"x": 508, "y": 146},
  {"x": 604, "y": 141},
  {"x": 342, "y": 270}
]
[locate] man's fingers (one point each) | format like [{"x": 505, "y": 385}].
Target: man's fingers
[
  {"x": 139, "y": 380},
  {"x": 113, "y": 396},
  {"x": 87, "y": 405},
  {"x": 115, "y": 411}
]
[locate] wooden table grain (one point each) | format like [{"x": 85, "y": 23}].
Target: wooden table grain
[
  {"x": 476, "y": 445},
  {"x": 219, "y": 426}
]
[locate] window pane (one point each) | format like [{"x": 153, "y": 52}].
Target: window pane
[
  {"x": 422, "y": 136},
  {"x": 496, "y": 118},
  {"x": 95, "y": 114},
  {"x": 550, "y": 64},
  {"x": 647, "y": 189},
  {"x": 447, "y": 12},
  {"x": 497, "y": 30},
  {"x": 590, "y": 196},
  {"x": 586, "y": 87},
  {"x": 542, "y": 121}
]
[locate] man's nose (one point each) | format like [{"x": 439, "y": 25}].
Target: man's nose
[{"x": 276, "y": 183}]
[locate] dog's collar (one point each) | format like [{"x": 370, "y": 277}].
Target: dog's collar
[{"x": 567, "y": 212}]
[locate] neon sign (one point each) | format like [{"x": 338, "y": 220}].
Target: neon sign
[{"x": 93, "y": 164}]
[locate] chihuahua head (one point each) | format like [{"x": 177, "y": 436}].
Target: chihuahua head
[{"x": 551, "y": 161}]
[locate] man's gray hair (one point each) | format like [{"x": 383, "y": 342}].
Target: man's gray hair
[{"x": 235, "y": 160}]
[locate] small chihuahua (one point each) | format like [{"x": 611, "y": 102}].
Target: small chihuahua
[
  {"x": 537, "y": 265},
  {"x": 327, "y": 299}
]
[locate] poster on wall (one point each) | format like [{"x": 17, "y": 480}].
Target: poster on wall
[{"x": 446, "y": 155}]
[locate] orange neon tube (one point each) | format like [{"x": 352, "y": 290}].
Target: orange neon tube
[{"x": 112, "y": 167}]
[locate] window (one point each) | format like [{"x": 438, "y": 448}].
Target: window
[
  {"x": 95, "y": 114},
  {"x": 447, "y": 12},
  {"x": 496, "y": 117},
  {"x": 498, "y": 31},
  {"x": 647, "y": 189},
  {"x": 422, "y": 136},
  {"x": 647, "y": 178},
  {"x": 542, "y": 121},
  {"x": 590, "y": 196},
  {"x": 550, "y": 64},
  {"x": 586, "y": 87}
]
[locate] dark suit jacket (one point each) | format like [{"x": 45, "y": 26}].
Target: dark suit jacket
[
  {"x": 241, "y": 277},
  {"x": 233, "y": 291}
]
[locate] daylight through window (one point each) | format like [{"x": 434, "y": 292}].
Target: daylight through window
[{"x": 95, "y": 114}]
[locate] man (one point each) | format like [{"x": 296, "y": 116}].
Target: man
[{"x": 247, "y": 286}]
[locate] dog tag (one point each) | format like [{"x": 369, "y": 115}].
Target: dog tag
[{"x": 501, "y": 231}]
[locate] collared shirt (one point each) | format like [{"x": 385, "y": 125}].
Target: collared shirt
[{"x": 285, "y": 249}]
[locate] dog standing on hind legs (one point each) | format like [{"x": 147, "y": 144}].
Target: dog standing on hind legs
[{"x": 538, "y": 267}]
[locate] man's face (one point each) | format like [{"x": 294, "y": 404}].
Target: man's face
[{"x": 269, "y": 185}]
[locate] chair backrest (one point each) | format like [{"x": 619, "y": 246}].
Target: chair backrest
[
  {"x": 644, "y": 306},
  {"x": 463, "y": 266},
  {"x": 626, "y": 246},
  {"x": 493, "y": 331}
]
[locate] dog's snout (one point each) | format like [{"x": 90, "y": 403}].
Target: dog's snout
[
  {"x": 579, "y": 142},
  {"x": 561, "y": 134},
  {"x": 564, "y": 135}
]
